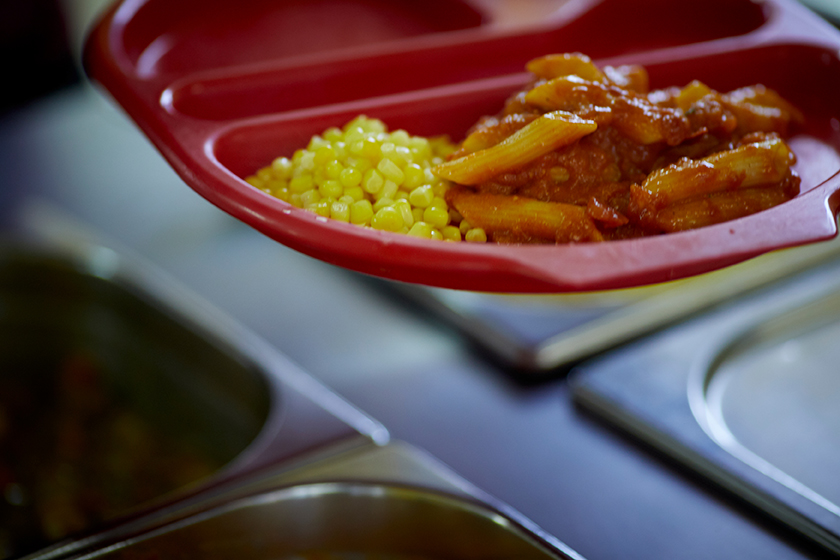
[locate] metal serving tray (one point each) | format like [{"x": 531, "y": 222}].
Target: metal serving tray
[
  {"x": 542, "y": 335},
  {"x": 747, "y": 396},
  {"x": 392, "y": 501},
  {"x": 287, "y": 444},
  {"x": 84, "y": 326}
]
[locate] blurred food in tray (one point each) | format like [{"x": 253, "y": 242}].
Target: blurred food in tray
[{"x": 107, "y": 404}]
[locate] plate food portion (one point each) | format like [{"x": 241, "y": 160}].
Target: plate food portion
[
  {"x": 581, "y": 154},
  {"x": 677, "y": 149}
]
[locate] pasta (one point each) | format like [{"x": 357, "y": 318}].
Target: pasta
[{"x": 589, "y": 154}]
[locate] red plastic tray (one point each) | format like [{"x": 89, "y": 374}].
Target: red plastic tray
[{"x": 222, "y": 88}]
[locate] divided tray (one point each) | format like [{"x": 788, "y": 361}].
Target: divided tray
[{"x": 222, "y": 89}]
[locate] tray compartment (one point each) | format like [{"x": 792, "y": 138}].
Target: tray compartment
[
  {"x": 169, "y": 38},
  {"x": 342, "y": 521},
  {"x": 281, "y": 87}
]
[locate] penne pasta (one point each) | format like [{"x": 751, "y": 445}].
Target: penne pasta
[
  {"x": 631, "y": 77},
  {"x": 545, "y": 134},
  {"x": 633, "y": 162},
  {"x": 569, "y": 93},
  {"x": 747, "y": 166},
  {"x": 758, "y": 109},
  {"x": 634, "y": 115},
  {"x": 556, "y": 65},
  {"x": 718, "y": 208},
  {"x": 524, "y": 218}
]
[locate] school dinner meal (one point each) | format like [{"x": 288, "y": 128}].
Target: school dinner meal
[{"x": 581, "y": 154}]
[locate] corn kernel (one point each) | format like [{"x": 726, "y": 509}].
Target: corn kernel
[
  {"x": 476, "y": 235},
  {"x": 355, "y": 147},
  {"x": 436, "y": 216},
  {"x": 464, "y": 226},
  {"x": 255, "y": 181},
  {"x": 386, "y": 149},
  {"x": 436, "y": 234},
  {"x": 382, "y": 203},
  {"x": 340, "y": 149},
  {"x": 333, "y": 134},
  {"x": 421, "y": 197},
  {"x": 421, "y": 229},
  {"x": 310, "y": 197},
  {"x": 438, "y": 202},
  {"x": 265, "y": 174},
  {"x": 331, "y": 189},
  {"x": 355, "y": 192},
  {"x": 403, "y": 154},
  {"x": 451, "y": 233},
  {"x": 387, "y": 218},
  {"x": 283, "y": 194},
  {"x": 370, "y": 147},
  {"x": 323, "y": 155},
  {"x": 414, "y": 176},
  {"x": 389, "y": 190},
  {"x": 404, "y": 208},
  {"x": 391, "y": 171},
  {"x": 282, "y": 168},
  {"x": 418, "y": 214},
  {"x": 360, "y": 164},
  {"x": 372, "y": 181},
  {"x": 322, "y": 207},
  {"x": 419, "y": 144},
  {"x": 347, "y": 199},
  {"x": 301, "y": 184},
  {"x": 333, "y": 169},
  {"x": 340, "y": 210},
  {"x": 375, "y": 125},
  {"x": 315, "y": 143},
  {"x": 274, "y": 185},
  {"x": 350, "y": 177},
  {"x": 354, "y": 134},
  {"x": 361, "y": 212},
  {"x": 307, "y": 161},
  {"x": 400, "y": 137},
  {"x": 440, "y": 188},
  {"x": 353, "y": 124}
]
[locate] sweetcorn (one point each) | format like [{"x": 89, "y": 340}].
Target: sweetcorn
[{"x": 365, "y": 175}]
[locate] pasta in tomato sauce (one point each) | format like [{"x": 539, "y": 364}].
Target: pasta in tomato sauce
[{"x": 590, "y": 154}]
